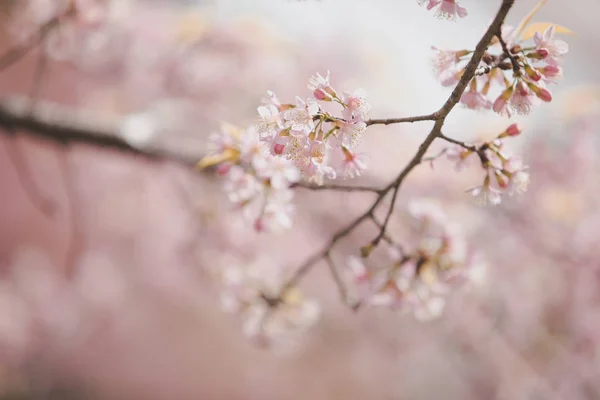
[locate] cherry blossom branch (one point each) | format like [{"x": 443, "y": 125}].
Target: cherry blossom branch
[{"x": 436, "y": 132}]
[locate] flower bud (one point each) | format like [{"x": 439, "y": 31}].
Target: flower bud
[
  {"x": 513, "y": 130},
  {"x": 532, "y": 73},
  {"x": 278, "y": 148},
  {"x": 542, "y": 93},
  {"x": 501, "y": 179},
  {"x": 259, "y": 225},
  {"x": 366, "y": 250},
  {"x": 539, "y": 54},
  {"x": 501, "y": 101},
  {"x": 551, "y": 71},
  {"x": 223, "y": 169}
]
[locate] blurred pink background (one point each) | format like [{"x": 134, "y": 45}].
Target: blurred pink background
[{"x": 109, "y": 293}]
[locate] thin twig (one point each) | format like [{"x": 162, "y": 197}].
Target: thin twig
[
  {"x": 337, "y": 279},
  {"x": 511, "y": 57},
  {"x": 389, "y": 121},
  {"x": 334, "y": 187},
  {"x": 458, "y": 142}
]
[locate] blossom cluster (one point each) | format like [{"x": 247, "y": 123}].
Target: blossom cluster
[
  {"x": 419, "y": 280},
  {"x": 445, "y": 9},
  {"x": 522, "y": 73},
  {"x": 319, "y": 144},
  {"x": 503, "y": 173},
  {"x": 256, "y": 181},
  {"x": 289, "y": 141},
  {"x": 271, "y": 313}
]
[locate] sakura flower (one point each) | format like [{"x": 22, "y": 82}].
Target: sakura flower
[
  {"x": 447, "y": 9},
  {"x": 551, "y": 73},
  {"x": 321, "y": 87},
  {"x": 459, "y": 155},
  {"x": 270, "y": 315},
  {"x": 485, "y": 194},
  {"x": 279, "y": 171},
  {"x": 353, "y": 164},
  {"x": 518, "y": 176},
  {"x": 269, "y": 121},
  {"x": 444, "y": 61},
  {"x": 350, "y": 134},
  {"x": 299, "y": 119},
  {"x": 556, "y": 48},
  {"x": 356, "y": 105},
  {"x": 277, "y": 212},
  {"x": 523, "y": 99},
  {"x": 241, "y": 186},
  {"x": 475, "y": 100}
]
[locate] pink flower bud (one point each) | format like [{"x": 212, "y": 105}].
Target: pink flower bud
[
  {"x": 278, "y": 148},
  {"x": 259, "y": 225},
  {"x": 223, "y": 169},
  {"x": 552, "y": 71},
  {"x": 514, "y": 130},
  {"x": 540, "y": 54},
  {"x": 532, "y": 73},
  {"x": 321, "y": 95},
  {"x": 499, "y": 104},
  {"x": 544, "y": 94},
  {"x": 502, "y": 100}
]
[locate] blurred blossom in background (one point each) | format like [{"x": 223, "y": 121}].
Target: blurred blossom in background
[{"x": 112, "y": 265}]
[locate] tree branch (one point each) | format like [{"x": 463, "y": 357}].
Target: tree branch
[{"x": 62, "y": 125}]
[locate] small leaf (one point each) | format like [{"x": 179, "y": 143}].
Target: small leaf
[
  {"x": 523, "y": 24},
  {"x": 541, "y": 27}
]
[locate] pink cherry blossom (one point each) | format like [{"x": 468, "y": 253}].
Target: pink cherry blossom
[
  {"x": 475, "y": 100},
  {"x": 447, "y": 9},
  {"x": 353, "y": 164},
  {"x": 485, "y": 194},
  {"x": 556, "y": 48}
]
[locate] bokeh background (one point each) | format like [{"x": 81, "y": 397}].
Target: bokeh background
[{"x": 105, "y": 257}]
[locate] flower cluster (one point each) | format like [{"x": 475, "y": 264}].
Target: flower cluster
[
  {"x": 418, "y": 280},
  {"x": 270, "y": 313},
  {"x": 503, "y": 173},
  {"x": 445, "y": 9},
  {"x": 257, "y": 182},
  {"x": 521, "y": 72},
  {"x": 319, "y": 144}
]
